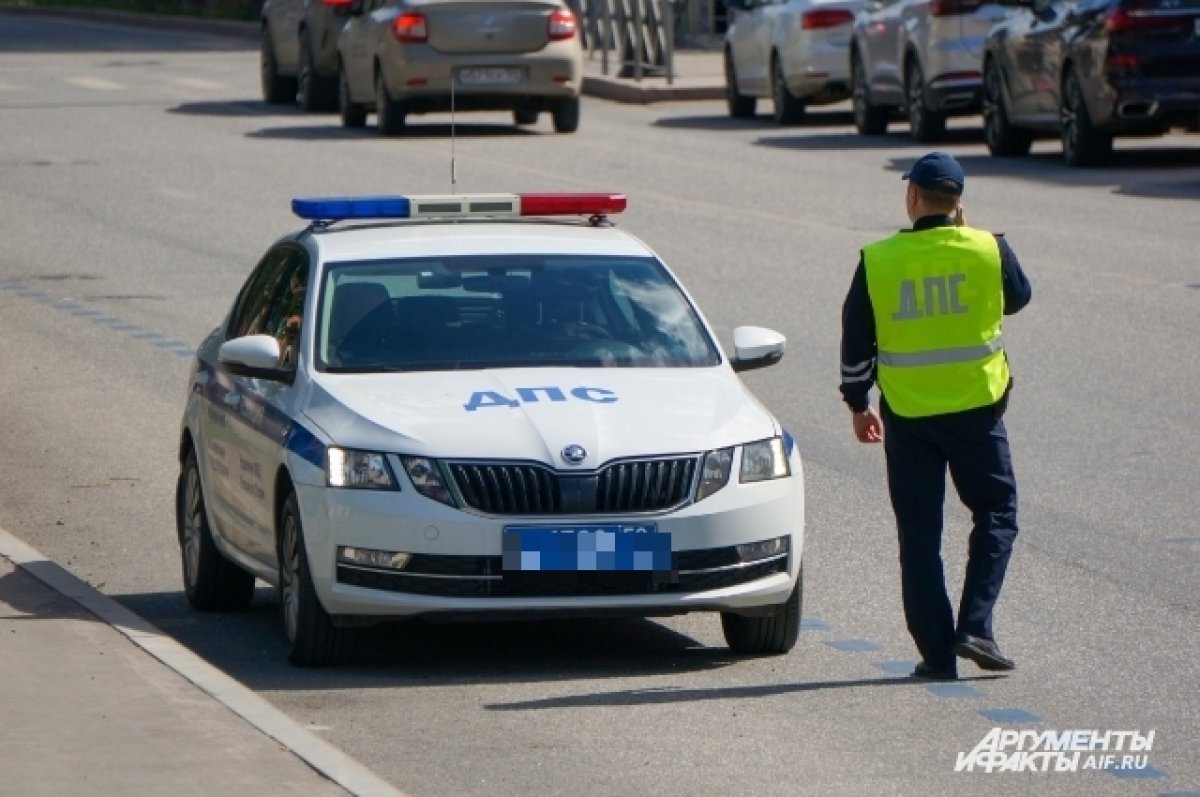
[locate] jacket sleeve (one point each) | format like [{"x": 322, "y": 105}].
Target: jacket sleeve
[
  {"x": 858, "y": 342},
  {"x": 1017, "y": 290}
]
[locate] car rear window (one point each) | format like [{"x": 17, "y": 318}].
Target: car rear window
[{"x": 506, "y": 311}]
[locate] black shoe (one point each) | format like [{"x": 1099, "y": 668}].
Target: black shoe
[
  {"x": 983, "y": 652},
  {"x": 923, "y": 670}
]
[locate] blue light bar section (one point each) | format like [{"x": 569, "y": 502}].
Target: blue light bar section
[{"x": 358, "y": 207}]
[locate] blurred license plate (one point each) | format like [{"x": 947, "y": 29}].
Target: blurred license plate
[
  {"x": 602, "y": 547},
  {"x": 490, "y": 76}
]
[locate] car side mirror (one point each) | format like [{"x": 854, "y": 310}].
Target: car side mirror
[
  {"x": 255, "y": 356},
  {"x": 756, "y": 347}
]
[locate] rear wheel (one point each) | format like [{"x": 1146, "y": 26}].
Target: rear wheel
[
  {"x": 1003, "y": 140},
  {"x": 317, "y": 92},
  {"x": 925, "y": 125},
  {"x": 565, "y": 113},
  {"x": 311, "y": 636},
  {"x": 766, "y": 635},
  {"x": 741, "y": 106},
  {"x": 210, "y": 581},
  {"x": 1083, "y": 144},
  {"x": 870, "y": 120},
  {"x": 389, "y": 113},
  {"x": 353, "y": 114},
  {"x": 276, "y": 89},
  {"x": 789, "y": 109}
]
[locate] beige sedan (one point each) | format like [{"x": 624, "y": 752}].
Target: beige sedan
[{"x": 402, "y": 57}]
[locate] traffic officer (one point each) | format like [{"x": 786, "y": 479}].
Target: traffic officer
[{"x": 922, "y": 318}]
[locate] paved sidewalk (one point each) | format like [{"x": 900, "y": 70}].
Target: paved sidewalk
[
  {"x": 698, "y": 75},
  {"x": 95, "y": 701}
]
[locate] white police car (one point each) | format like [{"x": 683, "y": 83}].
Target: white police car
[{"x": 429, "y": 405}]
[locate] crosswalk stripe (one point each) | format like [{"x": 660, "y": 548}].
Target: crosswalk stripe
[{"x": 97, "y": 83}]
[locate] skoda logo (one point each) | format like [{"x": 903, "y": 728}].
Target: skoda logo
[{"x": 574, "y": 454}]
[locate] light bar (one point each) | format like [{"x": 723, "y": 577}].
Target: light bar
[{"x": 456, "y": 206}]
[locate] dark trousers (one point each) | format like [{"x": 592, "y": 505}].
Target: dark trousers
[{"x": 973, "y": 445}]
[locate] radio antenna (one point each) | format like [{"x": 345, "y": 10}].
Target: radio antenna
[{"x": 453, "y": 170}]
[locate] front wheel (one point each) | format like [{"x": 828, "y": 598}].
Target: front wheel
[
  {"x": 276, "y": 89},
  {"x": 1003, "y": 140},
  {"x": 353, "y": 114},
  {"x": 741, "y": 106},
  {"x": 317, "y": 92},
  {"x": 869, "y": 120},
  {"x": 771, "y": 634},
  {"x": 389, "y": 113},
  {"x": 210, "y": 581},
  {"x": 1083, "y": 143},
  {"x": 789, "y": 109},
  {"x": 925, "y": 125},
  {"x": 311, "y": 636},
  {"x": 565, "y": 113}
]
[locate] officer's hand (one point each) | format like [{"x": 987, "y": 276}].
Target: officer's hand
[{"x": 867, "y": 427}]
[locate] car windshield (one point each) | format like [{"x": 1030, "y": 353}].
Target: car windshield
[{"x": 495, "y": 311}]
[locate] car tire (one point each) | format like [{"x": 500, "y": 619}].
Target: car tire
[
  {"x": 211, "y": 582},
  {"x": 312, "y": 638},
  {"x": 741, "y": 106},
  {"x": 771, "y": 634},
  {"x": 353, "y": 115},
  {"x": 565, "y": 113},
  {"x": 925, "y": 125},
  {"x": 317, "y": 93},
  {"x": 276, "y": 89},
  {"x": 869, "y": 120},
  {"x": 525, "y": 116},
  {"x": 389, "y": 113},
  {"x": 1003, "y": 140},
  {"x": 789, "y": 109},
  {"x": 1083, "y": 143}
]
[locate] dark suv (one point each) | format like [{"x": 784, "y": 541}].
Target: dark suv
[{"x": 1091, "y": 70}]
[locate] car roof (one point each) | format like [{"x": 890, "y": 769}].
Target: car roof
[{"x": 352, "y": 242}]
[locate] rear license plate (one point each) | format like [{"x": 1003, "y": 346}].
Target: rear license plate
[
  {"x": 602, "y": 548},
  {"x": 490, "y": 76}
]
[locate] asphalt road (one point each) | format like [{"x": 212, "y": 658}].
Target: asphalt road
[{"x": 140, "y": 180}]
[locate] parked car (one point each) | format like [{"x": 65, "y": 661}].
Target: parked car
[
  {"x": 1091, "y": 70},
  {"x": 793, "y": 51},
  {"x": 922, "y": 57},
  {"x": 299, "y": 51},
  {"x": 402, "y": 57},
  {"x": 454, "y": 407}
]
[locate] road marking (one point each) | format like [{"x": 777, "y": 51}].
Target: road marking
[
  {"x": 1009, "y": 715},
  {"x": 852, "y": 645},
  {"x": 95, "y": 83},
  {"x": 896, "y": 667},
  {"x": 1147, "y": 772},
  {"x": 199, "y": 83},
  {"x": 954, "y": 690}
]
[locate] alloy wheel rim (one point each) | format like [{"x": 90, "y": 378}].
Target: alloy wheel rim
[
  {"x": 289, "y": 576},
  {"x": 191, "y": 527}
]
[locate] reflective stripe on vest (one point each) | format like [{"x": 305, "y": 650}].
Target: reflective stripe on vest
[{"x": 938, "y": 300}]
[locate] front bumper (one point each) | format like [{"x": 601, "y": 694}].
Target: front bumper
[{"x": 456, "y": 557}]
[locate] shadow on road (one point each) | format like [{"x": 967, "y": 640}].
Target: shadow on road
[
  {"x": 336, "y": 131},
  {"x": 234, "y": 108},
  {"x": 812, "y": 119},
  {"x": 249, "y": 647}
]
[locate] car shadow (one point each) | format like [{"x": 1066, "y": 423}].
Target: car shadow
[
  {"x": 249, "y": 646},
  {"x": 411, "y": 130},
  {"x": 234, "y": 108},
  {"x": 812, "y": 119},
  {"x": 851, "y": 140}
]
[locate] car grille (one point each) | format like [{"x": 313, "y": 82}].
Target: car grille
[
  {"x": 506, "y": 488},
  {"x": 483, "y": 577}
]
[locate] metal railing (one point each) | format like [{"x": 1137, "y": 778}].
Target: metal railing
[{"x": 639, "y": 34}]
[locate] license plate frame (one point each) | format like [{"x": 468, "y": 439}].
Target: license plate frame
[
  {"x": 584, "y": 548},
  {"x": 490, "y": 76}
]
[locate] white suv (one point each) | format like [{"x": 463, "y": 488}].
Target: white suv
[{"x": 921, "y": 56}]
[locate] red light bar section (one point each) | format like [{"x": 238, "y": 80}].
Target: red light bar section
[
  {"x": 819, "y": 18},
  {"x": 571, "y": 204}
]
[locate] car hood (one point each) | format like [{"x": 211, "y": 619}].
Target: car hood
[{"x": 533, "y": 414}]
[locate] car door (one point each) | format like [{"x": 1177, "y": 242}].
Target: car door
[
  {"x": 885, "y": 36},
  {"x": 748, "y": 41},
  {"x": 264, "y": 407},
  {"x": 1044, "y": 43},
  {"x": 354, "y": 48}
]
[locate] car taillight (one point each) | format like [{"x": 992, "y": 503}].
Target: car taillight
[
  {"x": 817, "y": 18},
  {"x": 562, "y": 25},
  {"x": 410, "y": 28},
  {"x": 1120, "y": 19},
  {"x": 947, "y": 8},
  {"x": 336, "y": 3}
]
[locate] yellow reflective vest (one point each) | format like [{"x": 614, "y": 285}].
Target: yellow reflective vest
[{"x": 938, "y": 299}]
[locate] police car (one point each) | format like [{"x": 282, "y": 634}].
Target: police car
[{"x": 462, "y": 407}]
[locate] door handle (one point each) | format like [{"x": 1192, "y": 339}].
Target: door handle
[{"x": 200, "y": 382}]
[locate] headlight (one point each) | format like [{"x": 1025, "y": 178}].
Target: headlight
[
  {"x": 427, "y": 479},
  {"x": 764, "y": 460},
  {"x": 364, "y": 470},
  {"x": 715, "y": 472}
]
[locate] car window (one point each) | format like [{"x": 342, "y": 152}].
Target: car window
[
  {"x": 506, "y": 311},
  {"x": 286, "y": 309},
  {"x": 251, "y": 310}
]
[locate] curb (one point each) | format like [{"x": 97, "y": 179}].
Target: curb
[
  {"x": 326, "y": 759},
  {"x": 627, "y": 91}
]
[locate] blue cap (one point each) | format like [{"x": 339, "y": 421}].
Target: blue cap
[{"x": 938, "y": 171}]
